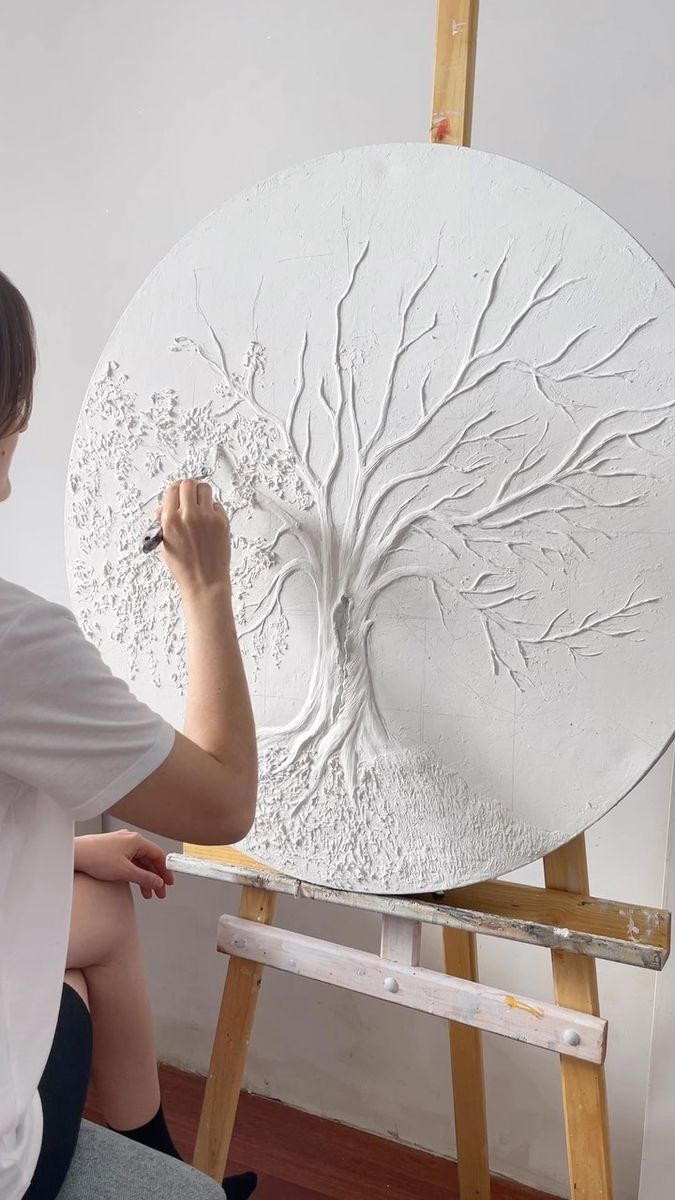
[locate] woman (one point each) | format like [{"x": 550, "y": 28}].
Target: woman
[{"x": 74, "y": 743}]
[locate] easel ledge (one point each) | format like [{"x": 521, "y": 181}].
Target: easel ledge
[{"x": 555, "y": 920}]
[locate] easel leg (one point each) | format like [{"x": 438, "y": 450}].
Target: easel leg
[
  {"x": 454, "y": 59},
  {"x": 230, "y": 1046},
  {"x": 468, "y": 1083},
  {"x": 583, "y": 1083}
]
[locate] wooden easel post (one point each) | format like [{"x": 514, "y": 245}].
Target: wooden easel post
[
  {"x": 451, "y": 114},
  {"x": 230, "y": 1045},
  {"x": 583, "y": 1084},
  {"x": 454, "y": 70},
  {"x": 575, "y": 977}
]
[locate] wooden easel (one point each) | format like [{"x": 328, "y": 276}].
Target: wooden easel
[{"x": 561, "y": 917}]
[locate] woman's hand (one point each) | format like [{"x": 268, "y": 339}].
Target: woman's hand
[
  {"x": 196, "y": 538},
  {"x": 124, "y": 856}
]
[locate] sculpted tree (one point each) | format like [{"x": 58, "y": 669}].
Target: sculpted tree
[{"x": 499, "y": 501}]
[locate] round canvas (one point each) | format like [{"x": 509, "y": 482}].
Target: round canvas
[{"x": 434, "y": 390}]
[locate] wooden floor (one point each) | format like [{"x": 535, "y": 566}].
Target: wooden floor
[{"x": 301, "y": 1157}]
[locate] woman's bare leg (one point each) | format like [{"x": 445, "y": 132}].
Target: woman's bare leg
[{"x": 105, "y": 948}]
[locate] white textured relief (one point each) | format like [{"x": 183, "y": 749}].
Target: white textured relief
[{"x": 434, "y": 391}]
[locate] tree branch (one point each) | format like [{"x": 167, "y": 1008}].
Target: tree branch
[
  {"x": 272, "y": 595},
  {"x": 297, "y": 395},
  {"x": 244, "y": 391},
  {"x": 404, "y": 344},
  {"x": 594, "y": 622},
  {"x": 334, "y": 418},
  {"x": 465, "y": 383},
  {"x": 578, "y": 459}
]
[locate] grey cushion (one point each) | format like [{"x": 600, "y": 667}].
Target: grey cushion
[{"x": 107, "y": 1166}]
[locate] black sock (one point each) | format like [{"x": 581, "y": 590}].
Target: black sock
[
  {"x": 240, "y": 1187},
  {"x": 155, "y": 1135}
]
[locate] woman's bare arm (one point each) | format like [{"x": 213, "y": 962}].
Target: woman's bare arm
[{"x": 205, "y": 791}]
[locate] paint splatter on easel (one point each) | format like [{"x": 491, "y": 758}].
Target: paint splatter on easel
[{"x": 441, "y": 128}]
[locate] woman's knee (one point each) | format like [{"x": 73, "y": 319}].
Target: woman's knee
[
  {"x": 104, "y": 896},
  {"x": 103, "y": 922},
  {"x": 118, "y": 896}
]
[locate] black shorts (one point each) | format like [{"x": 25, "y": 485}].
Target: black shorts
[{"x": 63, "y": 1091}]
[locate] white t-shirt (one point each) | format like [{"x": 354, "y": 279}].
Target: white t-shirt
[{"x": 73, "y": 741}]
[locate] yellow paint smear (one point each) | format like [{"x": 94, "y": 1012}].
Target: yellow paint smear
[{"x": 514, "y": 1002}]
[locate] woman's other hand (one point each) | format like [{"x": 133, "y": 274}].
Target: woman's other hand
[{"x": 126, "y": 857}]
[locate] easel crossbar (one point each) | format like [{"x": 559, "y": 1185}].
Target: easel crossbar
[
  {"x": 549, "y": 1026},
  {"x": 555, "y": 920}
]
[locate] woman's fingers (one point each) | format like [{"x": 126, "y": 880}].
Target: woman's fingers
[
  {"x": 147, "y": 854},
  {"x": 188, "y": 495},
  {"x": 146, "y": 879},
  {"x": 185, "y": 494},
  {"x": 170, "y": 501},
  {"x": 147, "y": 865}
]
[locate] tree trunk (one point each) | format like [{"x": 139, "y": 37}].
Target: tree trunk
[{"x": 340, "y": 714}]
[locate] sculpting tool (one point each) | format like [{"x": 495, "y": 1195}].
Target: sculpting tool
[{"x": 152, "y": 538}]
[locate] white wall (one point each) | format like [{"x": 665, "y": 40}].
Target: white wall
[{"x": 123, "y": 124}]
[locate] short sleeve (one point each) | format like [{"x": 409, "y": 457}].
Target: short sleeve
[{"x": 68, "y": 726}]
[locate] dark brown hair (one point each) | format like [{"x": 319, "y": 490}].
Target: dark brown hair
[{"x": 17, "y": 359}]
